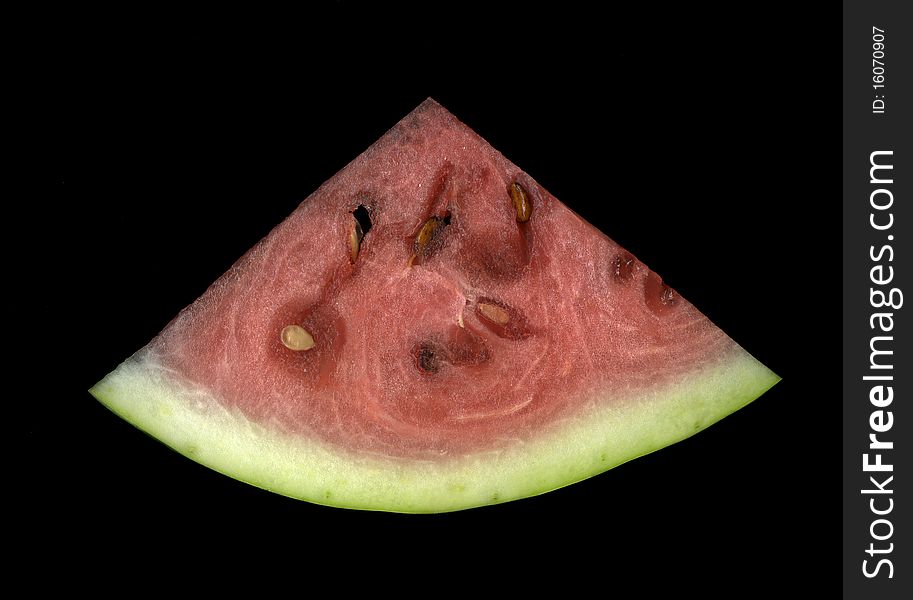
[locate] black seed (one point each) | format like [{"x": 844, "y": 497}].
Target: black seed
[{"x": 428, "y": 361}]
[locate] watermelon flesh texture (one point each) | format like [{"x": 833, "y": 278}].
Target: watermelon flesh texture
[{"x": 461, "y": 356}]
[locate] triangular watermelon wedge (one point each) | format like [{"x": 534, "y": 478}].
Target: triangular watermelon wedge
[{"x": 431, "y": 331}]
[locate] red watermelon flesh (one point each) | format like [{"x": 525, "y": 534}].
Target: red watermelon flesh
[{"x": 478, "y": 343}]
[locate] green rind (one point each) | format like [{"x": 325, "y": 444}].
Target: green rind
[{"x": 604, "y": 434}]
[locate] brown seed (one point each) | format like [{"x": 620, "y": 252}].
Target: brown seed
[
  {"x": 428, "y": 240},
  {"x": 295, "y": 337},
  {"x": 426, "y": 234},
  {"x": 494, "y": 313},
  {"x": 522, "y": 203},
  {"x": 355, "y": 237}
]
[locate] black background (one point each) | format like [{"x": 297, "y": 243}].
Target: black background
[{"x": 706, "y": 143}]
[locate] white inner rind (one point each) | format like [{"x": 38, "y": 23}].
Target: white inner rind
[{"x": 603, "y": 434}]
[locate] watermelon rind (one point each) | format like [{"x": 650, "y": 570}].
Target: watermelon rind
[{"x": 609, "y": 429}]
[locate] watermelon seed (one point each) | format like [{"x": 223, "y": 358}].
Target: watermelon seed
[
  {"x": 428, "y": 235},
  {"x": 494, "y": 313},
  {"x": 428, "y": 361},
  {"x": 355, "y": 237},
  {"x": 522, "y": 204},
  {"x": 295, "y": 337},
  {"x": 363, "y": 217},
  {"x": 361, "y": 225}
]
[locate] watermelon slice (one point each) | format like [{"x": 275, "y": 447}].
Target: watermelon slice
[{"x": 431, "y": 331}]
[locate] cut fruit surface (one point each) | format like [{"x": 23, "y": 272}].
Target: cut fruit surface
[{"x": 431, "y": 330}]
